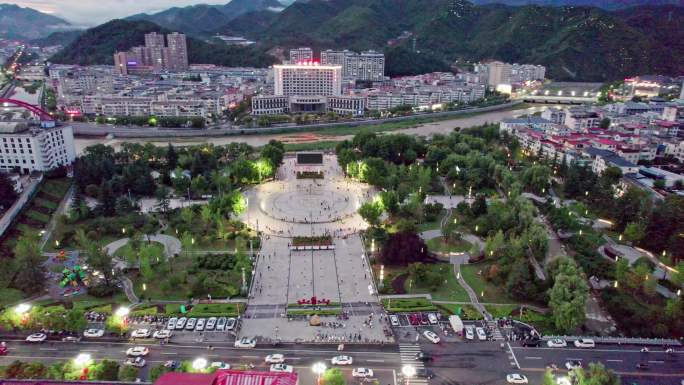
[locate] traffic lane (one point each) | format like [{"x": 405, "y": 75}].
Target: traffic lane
[
  {"x": 469, "y": 363},
  {"x": 620, "y": 359}
]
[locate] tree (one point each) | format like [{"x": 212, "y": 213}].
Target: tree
[
  {"x": 596, "y": 374},
  {"x": 105, "y": 370},
  {"x": 371, "y": 212},
  {"x": 659, "y": 184},
  {"x": 548, "y": 378},
  {"x": 7, "y": 193},
  {"x": 635, "y": 232},
  {"x": 273, "y": 152},
  {"x": 605, "y": 123},
  {"x": 128, "y": 374},
  {"x": 537, "y": 178},
  {"x": 163, "y": 201},
  {"x": 171, "y": 158},
  {"x": 31, "y": 274},
  {"x": 75, "y": 320},
  {"x": 107, "y": 199},
  {"x": 403, "y": 248},
  {"x": 568, "y": 296},
  {"x": 333, "y": 376}
]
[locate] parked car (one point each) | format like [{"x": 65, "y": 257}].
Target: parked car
[
  {"x": 93, "y": 333},
  {"x": 211, "y": 323},
  {"x": 190, "y": 325},
  {"x": 220, "y": 365},
  {"x": 342, "y": 360},
  {"x": 423, "y": 319},
  {"x": 531, "y": 342},
  {"x": 245, "y": 342},
  {"x": 71, "y": 338},
  {"x": 481, "y": 334},
  {"x": 141, "y": 333},
  {"x": 585, "y": 343},
  {"x": 172, "y": 364},
  {"x": 172, "y": 323},
  {"x": 432, "y": 317},
  {"x": 516, "y": 378},
  {"x": 230, "y": 323},
  {"x": 642, "y": 366},
  {"x": 180, "y": 324},
  {"x": 137, "y": 362},
  {"x": 137, "y": 351},
  {"x": 164, "y": 333},
  {"x": 3, "y": 349},
  {"x": 423, "y": 357},
  {"x": 424, "y": 373},
  {"x": 413, "y": 319},
  {"x": 281, "y": 368},
  {"x": 221, "y": 324},
  {"x": 469, "y": 333},
  {"x": 362, "y": 372},
  {"x": 573, "y": 364},
  {"x": 394, "y": 320},
  {"x": 431, "y": 336},
  {"x": 275, "y": 359},
  {"x": 200, "y": 324},
  {"x": 556, "y": 343},
  {"x": 36, "y": 337}
]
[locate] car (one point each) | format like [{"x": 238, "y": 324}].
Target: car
[
  {"x": 190, "y": 325},
  {"x": 423, "y": 319},
  {"x": 432, "y": 318},
  {"x": 394, "y": 320},
  {"x": 275, "y": 359},
  {"x": 281, "y": 368},
  {"x": 573, "y": 364},
  {"x": 431, "y": 336},
  {"x": 230, "y": 323},
  {"x": 137, "y": 362},
  {"x": 172, "y": 364},
  {"x": 93, "y": 333},
  {"x": 585, "y": 343},
  {"x": 211, "y": 323},
  {"x": 413, "y": 319},
  {"x": 71, "y": 338},
  {"x": 221, "y": 324},
  {"x": 362, "y": 372},
  {"x": 423, "y": 357},
  {"x": 531, "y": 342},
  {"x": 556, "y": 343},
  {"x": 180, "y": 324},
  {"x": 245, "y": 342},
  {"x": 3, "y": 349},
  {"x": 36, "y": 337},
  {"x": 469, "y": 333},
  {"x": 481, "y": 334},
  {"x": 424, "y": 373},
  {"x": 172, "y": 323},
  {"x": 342, "y": 360},
  {"x": 642, "y": 366},
  {"x": 137, "y": 351},
  {"x": 200, "y": 324},
  {"x": 164, "y": 333},
  {"x": 516, "y": 378},
  {"x": 141, "y": 333},
  {"x": 220, "y": 365}
]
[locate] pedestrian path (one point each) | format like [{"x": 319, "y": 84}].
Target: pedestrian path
[
  {"x": 494, "y": 329},
  {"x": 407, "y": 353}
]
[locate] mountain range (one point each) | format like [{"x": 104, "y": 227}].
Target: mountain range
[
  {"x": 605, "y": 4},
  {"x": 26, "y": 23}
]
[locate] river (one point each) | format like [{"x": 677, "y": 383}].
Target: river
[{"x": 427, "y": 129}]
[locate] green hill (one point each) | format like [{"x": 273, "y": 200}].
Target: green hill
[
  {"x": 98, "y": 45},
  {"x": 27, "y": 23}
]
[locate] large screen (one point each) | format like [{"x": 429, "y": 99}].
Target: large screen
[{"x": 310, "y": 158}]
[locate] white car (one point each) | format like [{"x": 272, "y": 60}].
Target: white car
[
  {"x": 516, "y": 378},
  {"x": 574, "y": 364},
  {"x": 281, "y": 368},
  {"x": 172, "y": 323},
  {"x": 585, "y": 343},
  {"x": 481, "y": 334},
  {"x": 141, "y": 333},
  {"x": 245, "y": 342},
  {"x": 230, "y": 323},
  {"x": 362, "y": 372},
  {"x": 138, "y": 362},
  {"x": 191, "y": 324},
  {"x": 180, "y": 324},
  {"x": 394, "y": 320},
  {"x": 469, "y": 333},
  {"x": 275, "y": 359},
  {"x": 220, "y": 365},
  {"x": 221, "y": 324},
  {"x": 93, "y": 333},
  {"x": 211, "y": 323},
  {"x": 556, "y": 343},
  {"x": 137, "y": 351},
  {"x": 36, "y": 337},
  {"x": 432, "y": 318},
  {"x": 161, "y": 334},
  {"x": 431, "y": 336},
  {"x": 201, "y": 322},
  {"x": 342, "y": 360}
]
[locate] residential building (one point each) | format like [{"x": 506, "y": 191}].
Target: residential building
[
  {"x": 301, "y": 55},
  {"x": 512, "y": 125},
  {"x": 364, "y": 66},
  {"x": 554, "y": 115},
  {"x": 521, "y": 73},
  {"x": 498, "y": 73},
  {"x": 177, "y": 52},
  {"x": 310, "y": 79},
  {"x": 155, "y": 55},
  {"x": 581, "y": 119},
  {"x": 603, "y": 159},
  {"x": 24, "y": 149}
]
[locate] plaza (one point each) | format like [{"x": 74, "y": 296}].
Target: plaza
[{"x": 289, "y": 207}]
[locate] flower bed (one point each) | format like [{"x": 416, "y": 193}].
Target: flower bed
[
  {"x": 323, "y": 240},
  {"x": 309, "y": 174}
]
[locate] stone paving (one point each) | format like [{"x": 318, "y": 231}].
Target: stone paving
[{"x": 289, "y": 207}]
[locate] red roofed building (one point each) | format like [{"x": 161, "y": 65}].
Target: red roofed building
[{"x": 228, "y": 377}]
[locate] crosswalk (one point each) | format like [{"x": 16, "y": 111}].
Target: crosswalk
[
  {"x": 407, "y": 353},
  {"x": 494, "y": 329}
]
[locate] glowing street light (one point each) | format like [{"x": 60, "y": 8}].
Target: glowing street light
[
  {"x": 318, "y": 368},
  {"x": 22, "y": 308},
  {"x": 144, "y": 286},
  {"x": 82, "y": 359},
  {"x": 199, "y": 364},
  {"x": 122, "y": 311},
  {"x": 408, "y": 371}
]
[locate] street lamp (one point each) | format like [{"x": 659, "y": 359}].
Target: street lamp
[
  {"x": 319, "y": 369},
  {"x": 22, "y": 308},
  {"x": 82, "y": 359},
  {"x": 408, "y": 371},
  {"x": 122, "y": 311},
  {"x": 199, "y": 364}
]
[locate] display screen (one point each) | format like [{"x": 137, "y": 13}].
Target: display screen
[{"x": 310, "y": 158}]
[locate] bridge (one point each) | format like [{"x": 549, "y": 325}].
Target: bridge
[
  {"x": 547, "y": 99},
  {"x": 41, "y": 113}
]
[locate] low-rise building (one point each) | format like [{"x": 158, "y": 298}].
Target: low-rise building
[
  {"x": 24, "y": 149},
  {"x": 603, "y": 159}
]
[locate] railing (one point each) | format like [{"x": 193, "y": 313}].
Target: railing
[{"x": 621, "y": 340}]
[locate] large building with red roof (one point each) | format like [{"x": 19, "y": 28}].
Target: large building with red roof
[{"x": 229, "y": 377}]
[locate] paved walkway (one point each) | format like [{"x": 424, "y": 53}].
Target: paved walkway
[
  {"x": 64, "y": 205},
  {"x": 471, "y": 293}
]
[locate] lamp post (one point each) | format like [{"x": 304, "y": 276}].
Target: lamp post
[
  {"x": 318, "y": 368},
  {"x": 199, "y": 364},
  {"x": 408, "y": 371}
]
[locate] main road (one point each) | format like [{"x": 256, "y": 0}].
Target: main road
[{"x": 425, "y": 129}]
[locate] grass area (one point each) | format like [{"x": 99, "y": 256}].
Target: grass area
[
  {"x": 486, "y": 292},
  {"x": 451, "y": 290},
  {"x": 315, "y": 312},
  {"x": 38, "y": 216},
  {"x": 467, "y": 312},
  {"x": 10, "y": 296},
  {"x": 127, "y": 252},
  {"x": 500, "y": 311},
  {"x": 208, "y": 310},
  {"x": 311, "y": 146},
  {"x": 408, "y": 304},
  {"x": 438, "y": 245},
  {"x": 46, "y": 203},
  {"x": 433, "y": 225}
]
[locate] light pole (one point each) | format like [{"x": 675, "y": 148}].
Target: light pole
[
  {"x": 199, "y": 364},
  {"x": 408, "y": 371},
  {"x": 319, "y": 369}
]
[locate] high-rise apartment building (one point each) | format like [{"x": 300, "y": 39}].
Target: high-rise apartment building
[
  {"x": 307, "y": 80},
  {"x": 498, "y": 73},
  {"x": 155, "y": 55},
  {"x": 25, "y": 149},
  {"x": 301, "y": 55},
  {"x": 369, "y": 65}
]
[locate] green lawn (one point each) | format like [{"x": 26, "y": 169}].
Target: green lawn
[
  {"x": 45, "y": 203},
  {"x": 434, "y": 225},
  {"x": 38, "y": 216},
  {"x": 467, "y": 312},
  {"x": 408, "y": 304},
  {"x": 10, "y": 296},
  {"x": 438, "y": 245},
  {"x": 449, "y": 291},
  {"x": 492, "y": 293},
  {"x": 127, "y": 253},
  {"x": 208, "y": 310}
]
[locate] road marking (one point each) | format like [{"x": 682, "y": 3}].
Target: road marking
[
  {"x": 613, "y": 360},
  {"x": 369, "y": 360},
  {"x": 517, "y": 365},
  {"x": 533, "y": 358},
  {"x": 169, "y": 353},
  {"x": 574, "y": 359},
  {"x": 249, "y": 356},
  {"x": 48, "y": 349},
  {"x": 656, "y": 362},
  {"x": 596, "y": 350}
]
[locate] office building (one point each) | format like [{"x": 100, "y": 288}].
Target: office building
[
  {"x": 366, "y": 66},
  {"x": 301, "y": 55},
  {"x": 310, "y": 79},
  {"x": 24, "y": 149},
  {"x": 155, "y": 55}
]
